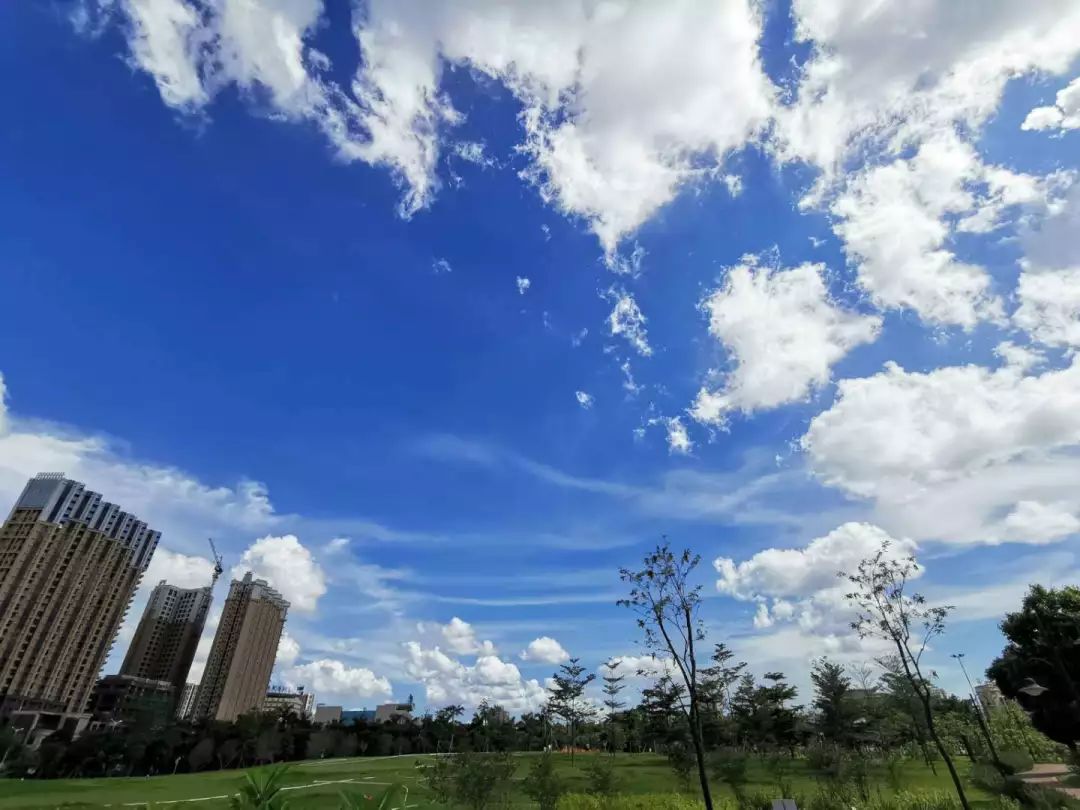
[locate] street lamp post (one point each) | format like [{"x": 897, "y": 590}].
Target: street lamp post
[{"x": 979, "y": 712}]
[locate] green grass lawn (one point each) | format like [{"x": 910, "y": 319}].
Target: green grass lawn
[{"x": 318, "y": 783}]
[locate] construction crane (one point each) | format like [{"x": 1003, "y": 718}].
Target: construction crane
[{"x": 217, "y": 562}]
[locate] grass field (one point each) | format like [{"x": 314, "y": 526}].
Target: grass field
[{"x": 318, "y": 783}]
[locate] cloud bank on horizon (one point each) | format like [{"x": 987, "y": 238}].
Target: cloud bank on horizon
[{"x": 930, "y": 232}]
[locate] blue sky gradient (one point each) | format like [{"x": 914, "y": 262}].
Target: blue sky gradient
[{"x": 210, "y": 296}]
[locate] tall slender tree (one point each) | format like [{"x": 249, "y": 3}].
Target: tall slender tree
[
  {"x": 836, "y": 711},
  {"x": 886, "y": 610},
  {"x": 667, "y": 605},
  {"x": 567, "y": 699},
  {"x": 613, "y": 685}
]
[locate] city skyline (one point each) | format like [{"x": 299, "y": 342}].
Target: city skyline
[{"x": 435, "y": 321}]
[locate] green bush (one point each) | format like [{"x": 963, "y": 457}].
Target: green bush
[
  {"x": 543, "y": 784},
  {"x": 1016, "y": 761}
]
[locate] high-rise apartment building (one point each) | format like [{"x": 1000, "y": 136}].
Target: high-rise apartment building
[
  {"x": 164, "y": 643},
  {"x": 242, "y": 657},
  {"x": 186, "y": 704},
  {"x": 69, "y": 565}
]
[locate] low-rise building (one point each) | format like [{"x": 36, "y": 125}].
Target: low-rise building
[
  {"x": 397, "y": 712},
  {"x": 282, "y": 700},
  {"x": 989, "y": 696},
  {"x": 327, "y": 714}
]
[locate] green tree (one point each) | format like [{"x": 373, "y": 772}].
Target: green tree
[
  {"x": 886, "y": 610},
  {"x": 613, "y": 685},
  {"x": 568, "y": 700},
  {"x": 1043, "y": 650},
  {"x": 835, "y": 710},
  {"x": 667, "y": 605}
]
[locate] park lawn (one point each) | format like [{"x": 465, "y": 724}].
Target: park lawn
[{"x": 319, "y": 783}]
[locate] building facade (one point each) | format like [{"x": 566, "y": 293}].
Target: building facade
[
  {"x": 69, "y": 566},
  {"x": 164, "y": 644},
  {"x": 242, "y": 657},
  {"x": 281, "y": 700},
  {"x": 185, "y": 705},
  {"x": 326, "y": 714},
  {"x": 141, "y": 702}
]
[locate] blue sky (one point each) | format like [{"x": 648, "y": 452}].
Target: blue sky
[{"x": 265, "y": 279}]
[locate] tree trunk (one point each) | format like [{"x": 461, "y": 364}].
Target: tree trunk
[
  {"x": 699, "y": 753},
  {"x": 944, "y": 754}
]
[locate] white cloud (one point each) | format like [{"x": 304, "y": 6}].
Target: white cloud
[
  {"x": 627, "y": 321},
  {"x": 183, "y": 508},
  {"x": 441, "y": 267},
  {"x": 800, "y": 591},
  {"x": 333, "y": 681},
  {"x": 523, "y": 285},
  {"x": 628, "y": 384},
  {"x": 181, "y": 570},
  {"x": 783, "y": 332},
  {"x": 474, "y": 152},
  {"x": 802, "y": 572},
  {"x": 288, "y": 566},
  {"x": 1050, "y": 306},
  {"x": 1049, "y": 286},
  {"x": 545, "y": 650},
  {"x": 941, "y": 64},
  {"x": 677, "y": 438},
  {"x": 288, "y": 651},
  {"x": 583, "y": 399},
  {"x": 950, "y": 453},
  {"x": 446, "y": 680},
  {"x": 459, "y": 637},
  {"x": 614, "y": 123},
  {"x": 896, "y": 220},
  {"x": 1064, "y": 113},
  {"x": 623, "y": 103}
]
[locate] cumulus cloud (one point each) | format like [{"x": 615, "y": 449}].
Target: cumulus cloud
[
  {"x": 523, "y": 285},
  {"x": 181, "y": 570},
  {"x": 623, "y": 103},
  {"x": 183, "y": 508},
  {"x": 949, "y": 453},
  {"x": 288, "y": 651},
  {"x": 1049, "y": 287},
  {"x": 459, "y": 637},
  {"x": 803, "y": 585},
  {"x": 800, "y": 572},
  {"x": 335, "y": 681},
  {"x": 783, "y": 332},
  {"x": 584, "y": 399},
  {"x": 1063, "y": 114},
  {"x": 893, "y": 129},
  {"x": 945, "y": 64},
  {"x": 544, "y": 650},
  {"x": 627, "y": 321},
  {"x": 897, "y": 220},
  {"x": 447, "y": 680},
  {"x": 288, "y": 566}
]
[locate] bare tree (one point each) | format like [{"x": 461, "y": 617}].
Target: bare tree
[
  {"x": 667, "y": 608},
  {"x": 885, "y": 610}
]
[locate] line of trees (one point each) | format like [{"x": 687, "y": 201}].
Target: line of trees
[{"x": 701, "y": 707}]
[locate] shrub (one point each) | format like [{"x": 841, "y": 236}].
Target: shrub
[
  {"x": 729, "y": 765},
  {"x": 894, "y": 771},
  {"x": 476, "y": 781},
  {"x": 987, "y": 777},
  {"x": 601, "y": 775},
  {"x": 1016, "y": 761},
  {"x": 542, "y": 784}
]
